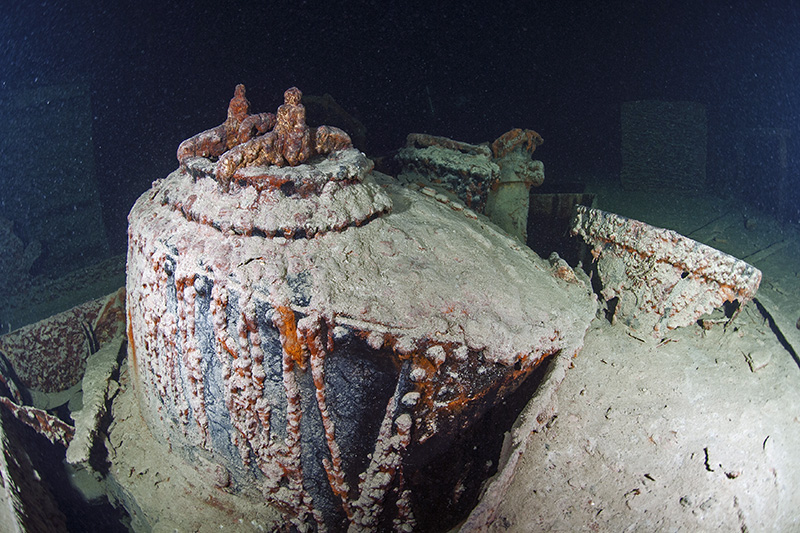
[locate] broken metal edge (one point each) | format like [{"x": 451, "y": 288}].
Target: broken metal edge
[
  {"x": 537, "y": 414},
  {"x": 600, "y": 228}
]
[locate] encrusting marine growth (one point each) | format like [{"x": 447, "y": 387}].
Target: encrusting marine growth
[
  {"x": 661, "y": 279},
  {"x": 246, "y": 140},
  {"x": 309, "y": 325}
]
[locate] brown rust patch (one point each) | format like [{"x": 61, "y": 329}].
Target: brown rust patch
[
  {"x": 287, "y": 326},
  {"x": 131, "y": 343}
]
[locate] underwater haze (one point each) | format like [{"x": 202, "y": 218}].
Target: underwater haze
[
  {"x": 189, "y": 299},
  {"x": 109, "y": 92}
]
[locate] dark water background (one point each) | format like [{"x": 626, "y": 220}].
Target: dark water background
[{"x": 160, "y": 72}]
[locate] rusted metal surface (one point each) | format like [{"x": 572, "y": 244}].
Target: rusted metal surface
[
  {"x": 50, "y": 355},
  {"x": 663, "y": 280},
  {"x": 240, "y": 126},
  {"x": 45, "y": 424},
  {"x": 312, "y": 368},
  {"x": 260, "y": 140},
  {"x": 492, "y": 179},
  {"x": 26, "y": 505},
  {"x": 467, "y": 170},
  {"x": 58, "y": 347},
  {"x": 516, "y": 139}
]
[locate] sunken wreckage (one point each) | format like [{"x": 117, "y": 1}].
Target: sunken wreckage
[
  {"x": 307, "y": 336},
  {"x": 310, "y": 326}
]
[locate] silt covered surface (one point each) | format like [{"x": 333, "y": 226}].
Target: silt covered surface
[{"x": 442, "y": 312}]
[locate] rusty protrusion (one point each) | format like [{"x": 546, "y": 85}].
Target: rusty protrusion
[{"x": 526, "y": 140}]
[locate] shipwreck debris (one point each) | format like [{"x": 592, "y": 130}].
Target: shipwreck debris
[
  {"x": 466, "y": 170},
  {"x": 662, "y": 279},
  {"x": 509, "y": 201},
  {"x": 239, "y": 126},
  {"x": 491, "y": 179},
  {"x": 98, "y": 389},
  {"x": 50, "y": 355},
  {"x": 295, "y": 330}
]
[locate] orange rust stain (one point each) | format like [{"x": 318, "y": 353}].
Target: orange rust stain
[
  {"x": 469, "y": 397},
  {"x": 218, "y": 504},
  {"x": 130, "y": 340},
  {"x": 112, "y": 313},
  {"x": 423, "y": 362},
  {"x": 287, "y": 326},
  {"x": 507, "y": 142},
  {"x": 233, "y": 353}
]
